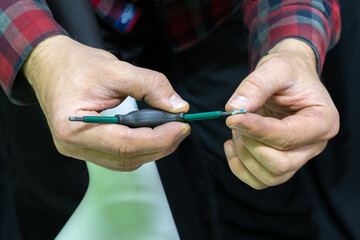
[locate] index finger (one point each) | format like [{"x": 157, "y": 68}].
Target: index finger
[
  {"x": 306, "y": 126},
  {"x": 148, "y": 85}
]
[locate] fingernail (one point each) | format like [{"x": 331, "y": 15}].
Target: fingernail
[
  {"x": 228, "y": 151},
  {"x": 238, "y": 102},
  {"x": 177, "y": 102}
]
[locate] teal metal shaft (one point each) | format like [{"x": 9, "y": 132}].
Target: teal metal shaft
[
  {"x": 202, "y": 116},
  {"x": 102, "y": 119}
]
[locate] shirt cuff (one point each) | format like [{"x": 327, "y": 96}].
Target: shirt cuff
[
  {"x": 321, "y": 31},
  {"x": 20, "y": 35}
]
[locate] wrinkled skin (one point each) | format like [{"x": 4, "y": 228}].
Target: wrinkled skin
[
  {"x": 290, "y": 118},
  {"x": 71, "y": 79}
]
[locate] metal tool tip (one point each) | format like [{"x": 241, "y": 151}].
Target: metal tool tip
[
  {"x": 234, "y": 111},
  {"x": 76, "y": 118}
]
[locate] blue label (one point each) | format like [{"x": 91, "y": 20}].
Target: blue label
[{"x": 126, "y": 16}]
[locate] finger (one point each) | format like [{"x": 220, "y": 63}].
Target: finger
[
  {"x": 124, "y": 141},
  {"x": 279, "y": 162},
  {"x": 257, "y": 168},
  {"x": 238, "y": 169},
  {"x": 256, "y": 89},
  {"x": 303, "y": 128},
  {"x": 117, "y": 163},
  {"x": 148, "y": 85}
]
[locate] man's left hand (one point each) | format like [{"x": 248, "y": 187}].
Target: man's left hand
[{"x": 290, "y": 118}]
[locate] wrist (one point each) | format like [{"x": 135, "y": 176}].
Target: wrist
[
  {"x": 299, "y": 48},
  {"x": 43, "y": 54},
  {"x": 41, "y": 63}
]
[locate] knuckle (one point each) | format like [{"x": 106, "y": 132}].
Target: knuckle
[
  {"x": 62, "y": 133},
  {"x": 335, "y": 126},
  {"x": 287, "y": 142},
  {"x": 126, "y": 164},
  {"x": 280, "y": 179},
  {"x": 161, "y": 141},
  {"x": 64, "y": 137},
  {"x": 255, "y": 81},
  {"x": 268, "y": 180},
  {"x": 241, "y": 152},
  {"x": 258, "y": 186},
  {"x": 235, "y": 171},
  {"x": 279, "y": 167},
  {"x": 160, "y": 78},
  {"x": 160, "y": 81},
  {"x": 126, "y": 148},
  {"x": 322, "y": 146},
  {"x": 127, "y": 151},
  {"x": 67, "y": 151},
  {"x": 61, "y": 149},
  {"x": 107, "y": 54},
  {"x": 130, "y": 169},
  {"x": 242, "y": 176},
  {"x": 319, "y": 148},
  {"x": 170, "y": 150},
  {"x": 272, "y": 180},
  {"x": 157, "y": 79}
]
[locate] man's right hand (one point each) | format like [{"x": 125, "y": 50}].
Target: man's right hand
[{"x": 71, "y": 79}]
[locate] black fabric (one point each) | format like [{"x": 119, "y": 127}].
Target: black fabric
[
  {"x": 332, "y": 179},
  {"x": 8, "y": 223},
  {"x": 45, "y": 186}
]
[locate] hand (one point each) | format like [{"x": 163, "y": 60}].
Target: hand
[
  {"x": 71, "y": 79},
  {"x": 290, "y": 117}
]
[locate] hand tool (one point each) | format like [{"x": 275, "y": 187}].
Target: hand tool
[{"x": 153, "y": 117}]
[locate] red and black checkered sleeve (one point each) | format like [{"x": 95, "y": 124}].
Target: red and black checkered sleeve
[
  {"x": 23, "y": 25},
  {"x": 317, "y": 22}
]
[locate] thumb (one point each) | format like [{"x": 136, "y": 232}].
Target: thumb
[
  {"x": 255, "y": 90},
  {"x": 152, "y": 87}
]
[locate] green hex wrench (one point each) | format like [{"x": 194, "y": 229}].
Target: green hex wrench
[{"x": 153, "y": 117}]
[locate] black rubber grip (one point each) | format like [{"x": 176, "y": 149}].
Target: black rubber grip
[{"x": 149, "y": 118}]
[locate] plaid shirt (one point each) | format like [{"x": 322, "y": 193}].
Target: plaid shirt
[{"x": 25, "y": 23}]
